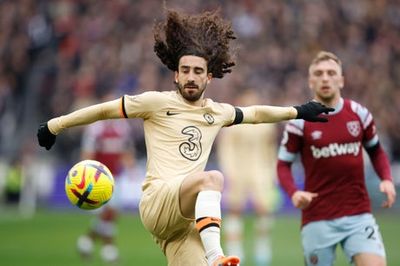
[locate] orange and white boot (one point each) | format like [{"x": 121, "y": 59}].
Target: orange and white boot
[{"x": 227, "y": 261}]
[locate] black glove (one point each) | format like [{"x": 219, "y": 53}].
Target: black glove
[
  {"x": 311, "y": 110},
  {"x": 45, "y": 137}
]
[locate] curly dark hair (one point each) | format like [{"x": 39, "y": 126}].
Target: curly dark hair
[{"x": 206, "y": 35}]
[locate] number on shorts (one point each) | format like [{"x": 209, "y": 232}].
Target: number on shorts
[{"x": 371, "y": 231}]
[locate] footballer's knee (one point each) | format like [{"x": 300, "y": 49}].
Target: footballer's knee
[{"x": 213, "y": 180}]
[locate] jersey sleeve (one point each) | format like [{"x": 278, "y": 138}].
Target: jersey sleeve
[
  {"x": 370, "y": 137},
  {"x": 290, "y": 145},
  {"x": 378, "y": 156},
  {"x": 230, "y": 114},
  {"x": 291, "y": 141},
  {"x": 141, "y": 105}
]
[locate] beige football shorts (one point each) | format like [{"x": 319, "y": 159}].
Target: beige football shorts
[{"x": 176, "y": 235}]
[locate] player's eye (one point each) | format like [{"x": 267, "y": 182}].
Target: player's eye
[
  {"x": 331, "y": 72},
  {"x": 185, "y": 70},
  {"x": 198, "y": 71},
  {"x": 318, "y": 73}
]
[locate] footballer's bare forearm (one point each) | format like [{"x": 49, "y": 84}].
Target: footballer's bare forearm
[
  {"x": 267, "y": 114},
  {"x": 87, "y": 115}
]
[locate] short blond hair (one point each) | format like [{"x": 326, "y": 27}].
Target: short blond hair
[{"x": 325, "y": 56}]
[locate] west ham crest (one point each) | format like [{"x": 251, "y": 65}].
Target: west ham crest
[
  {"x": 354, "y": 128},
  {"x": 316, "y": 134}
]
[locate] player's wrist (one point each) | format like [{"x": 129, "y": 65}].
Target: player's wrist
[
  {"x": 54, "y": 126},
  {"x": 293, "y": 112},
  {"x": 303, "y": 111},
  {"x": 387, "y": 178},
  {"x": 292, "y": 192}
]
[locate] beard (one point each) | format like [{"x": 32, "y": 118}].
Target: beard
[{"x": 193, "y": 94}]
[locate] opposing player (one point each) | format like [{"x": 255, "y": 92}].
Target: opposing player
[
  {"x": 247, "y": 157},
  {"x": 180, "y": 204},
  {"x": 109, "y": 142},
  {"x": 335, "y": 203}
]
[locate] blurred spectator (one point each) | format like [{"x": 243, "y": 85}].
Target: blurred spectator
[
  {"x": 91, "y": 46},
  {"x": 13, "y": 182}
]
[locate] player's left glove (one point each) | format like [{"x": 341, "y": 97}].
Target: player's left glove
[
  {"x": 45, "y": 137},
  {"x": 311, "y": 111}
]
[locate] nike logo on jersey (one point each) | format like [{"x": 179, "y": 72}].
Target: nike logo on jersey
[
  {"x": 336, "y": 149},
  {"x": 169, "y": 113}
]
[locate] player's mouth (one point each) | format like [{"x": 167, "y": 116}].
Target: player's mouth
[
  {"x": 325, "y": 88},
  {"x": 191, "y": 87}
]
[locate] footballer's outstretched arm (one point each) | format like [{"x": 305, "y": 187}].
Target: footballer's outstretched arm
[
  {"x": 271, "y": 114},
  {"x": 267, "y": 114},
  {"x": 47, "y": 132},
  {"x": 87, "y": 115}
]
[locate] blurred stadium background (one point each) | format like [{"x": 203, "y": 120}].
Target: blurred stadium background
[{"x": 58, "y": 55}]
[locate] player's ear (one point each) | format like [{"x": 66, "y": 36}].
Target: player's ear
[
  {"x": 310, "y": 83},
  {"x": 176, "y": 77},
  {"x": 342, "y": 82},
  {"x": 209, "y": 77}
]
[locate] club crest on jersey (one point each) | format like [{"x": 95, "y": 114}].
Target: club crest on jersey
[
  {"x": 316, "y": 134},
  {"x": 354, "y": 128},
  {"x": 209, "y": 118}
]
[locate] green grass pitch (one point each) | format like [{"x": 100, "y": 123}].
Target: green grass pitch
[{"x": 48, "y": 239}]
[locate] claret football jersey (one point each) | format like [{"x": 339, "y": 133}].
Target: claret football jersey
[
  {"x": 108, "y": 140},
  {"x": 178, "y": 136},
  {"x": 332, "y": 156}
]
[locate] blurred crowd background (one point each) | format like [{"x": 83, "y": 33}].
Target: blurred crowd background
[{"x": 59, "y": 55}]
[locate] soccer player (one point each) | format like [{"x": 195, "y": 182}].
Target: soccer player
[
  {"x": 247, "y": 157},
  {"x": 109, "y": 142},
  {"x": 180, "y": 204},
  {"x": 335, "y": 203}
]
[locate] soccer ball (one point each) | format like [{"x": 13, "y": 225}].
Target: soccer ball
[{"x": 89, "y": 184}]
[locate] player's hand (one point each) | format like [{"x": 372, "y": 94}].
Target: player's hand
[
  {"x": 387, "y": 187},
  {"x": 45, "y": 137},
  {"x": 302, "y": 199},
  {"x": 311, "y": 111}
]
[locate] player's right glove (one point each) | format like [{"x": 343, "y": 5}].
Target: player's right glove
[
  {"x": 45, "y": 137},
  {"x": 311, "y": 111}
]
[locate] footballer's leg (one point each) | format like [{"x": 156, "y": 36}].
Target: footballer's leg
[
  {"x": 234, "y": 227},
  {"x": 107, "y": 232},
  {"x": 319, "y": 240},
  {"x": 367, "y": 259},
  {"x": 236, "y": 197},
  {"x": 264, "y": 197},
  {"x": 103, "y": 229},
  {"x": 262, "y": 241},
  {"x": 85, "y": 246},
  {"x": 200, "y": 196},
  {"x": 364, "y": 246}
]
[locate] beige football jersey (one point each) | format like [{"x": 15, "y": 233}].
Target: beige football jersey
[
  {"x": 248, "y": 150},
  {"x": 178, "y": 136},
  {"x": 247, "y": 156}
]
